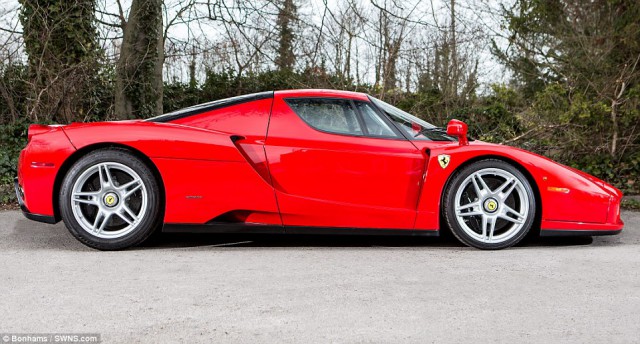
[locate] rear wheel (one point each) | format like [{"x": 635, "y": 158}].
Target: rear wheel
[
  {"x": 109, "y": 200},
  {"x": 489, "y": 205}
]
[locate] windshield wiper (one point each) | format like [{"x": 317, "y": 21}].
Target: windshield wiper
[{"x": 430, "y": 130}]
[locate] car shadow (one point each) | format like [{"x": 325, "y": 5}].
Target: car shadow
[
  {"x": 31, "y": 235},
  {"x": 184, "y": 240}
]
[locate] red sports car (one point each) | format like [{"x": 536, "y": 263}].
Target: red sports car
[{"x": 302, "y": 161}]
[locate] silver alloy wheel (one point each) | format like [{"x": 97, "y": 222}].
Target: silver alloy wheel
[
  {"x": 109, "y": 200},
  {"x": 491, "y": 205}
]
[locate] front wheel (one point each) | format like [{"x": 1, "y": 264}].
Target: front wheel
[
  {"x": 489, "y": 205},
  {"x": 109, "y": 200}
]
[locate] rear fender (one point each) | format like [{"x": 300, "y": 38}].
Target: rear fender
[
  {"x": 159, "y": 140},
  {"x": 205, "y": 173},
  {"x": 38, "y": 166}
]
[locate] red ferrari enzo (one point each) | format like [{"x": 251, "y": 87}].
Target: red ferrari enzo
[{"x": 303, "y": 161}]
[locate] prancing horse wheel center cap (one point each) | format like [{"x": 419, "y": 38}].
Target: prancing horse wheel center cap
[
  {"x": 490, "y": 205},
  {"x": 110, "y": 199}
]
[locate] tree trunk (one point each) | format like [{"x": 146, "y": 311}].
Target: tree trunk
[
  {"x": 454, "y": 53},
  {"x": 60, "y": 41},
  {"x": 9, "y": 101},
  {"x": 614, "y": 126},
  {"x": 139, "y": 69},
  {"x": 286, "y": 59}
]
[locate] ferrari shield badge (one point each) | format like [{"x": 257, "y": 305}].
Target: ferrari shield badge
[{"x": 443, "y": 160}]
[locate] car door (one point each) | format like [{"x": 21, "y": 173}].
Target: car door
[{"x": 335, "y": 162}]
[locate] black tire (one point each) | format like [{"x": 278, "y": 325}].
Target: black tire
[
  {"x": 140, "y": 231},
  {"x": 456, "y": 182}
]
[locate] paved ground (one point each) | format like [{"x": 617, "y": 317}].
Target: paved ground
[{"x": 213, "y": 288}]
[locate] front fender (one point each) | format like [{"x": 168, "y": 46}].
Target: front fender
[{"x": 566, "y": 195}]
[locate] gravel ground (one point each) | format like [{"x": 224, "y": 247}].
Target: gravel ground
[{"x": 319, "y": 289}]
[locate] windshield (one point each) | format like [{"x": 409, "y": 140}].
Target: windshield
[{"x": 411, "y": 125}]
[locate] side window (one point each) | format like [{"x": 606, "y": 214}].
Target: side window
[
  {"x": 376, "y": 126},
  {"x": 409, "y": 128},
  {"x": 331, "y": 115}
]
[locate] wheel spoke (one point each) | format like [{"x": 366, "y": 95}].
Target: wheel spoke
[
  {"x": 460, "y": 210},
  {"x": 87, "y": 197},
  {"x": 504, "y": 185},
  {"x": 467, "y": 206},
  {"x": 96, "y": 221},
  {"x": 123, "y": 215},
  {"x": 100, "y": 175},
  {"x": 504, "y": 194},
  {"x": 508, "y": 210},
  {"x": 108, "y": 173},
  {"x": 126, "y": 211},
  {"x": 86, "y": 201},
  {"x": 475, "y": 185},
  {"x": 131, "y": 187},
  {"x": 107, "y": 217},
  {"x": 481, "y": 188},
  {"x": 87, "y": 193},
  {"x": 100, "y": 221},
  {"x": 510, "y": 219},
  {"x": 105, "y": 175},
  {"x": 471, "y": 213},
  {"x": 488, "y": 227}
]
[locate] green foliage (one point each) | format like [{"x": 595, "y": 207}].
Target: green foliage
[
  {"x": 7, "y": 194},
  {"x": 557, "y": 122},
  {"x": 579, "y": 62},
  {"x": 583, "y": 42},
  {"x": 229, "y": 84},
  {"x": 60, "y": 30},
  {"x": 180, "y": 95},
  {"x": 100, "y": 97},
  {"x": 493, "y": 118},
  {"x": 13, "y": 79},
  {"x": 623, "y": 174},
  {"x": 630, "y": 204},
  {"x": 60, "y": 40},
  {"x": 13, "y": 138}
]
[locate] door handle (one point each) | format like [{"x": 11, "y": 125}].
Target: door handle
[{"x": 236, "y": 138}]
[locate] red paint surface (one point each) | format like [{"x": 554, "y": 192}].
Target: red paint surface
[{"x": 279, "y": 170}]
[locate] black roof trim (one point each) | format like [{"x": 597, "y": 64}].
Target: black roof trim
[{"x": 214, "y": 105}]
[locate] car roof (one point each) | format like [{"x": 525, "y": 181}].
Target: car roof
[
  {"x": 321, "y": 93},
  {"x": 221, "y": 103},
  {"x": 205, "y": 107}
]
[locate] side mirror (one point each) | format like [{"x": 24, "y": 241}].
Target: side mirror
[{"x": 458, "y": 129}]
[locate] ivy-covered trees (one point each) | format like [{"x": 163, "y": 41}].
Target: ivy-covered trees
[
  {"x": 139, "y": 68},
  {"x": 287, "y": 15},
  {"x": 60, "y": 41}
]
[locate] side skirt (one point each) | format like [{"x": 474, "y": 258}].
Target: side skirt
[
  {"x": 565, "y": 233},
  {"x": 255, "y": 228}
]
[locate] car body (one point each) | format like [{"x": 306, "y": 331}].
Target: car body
[{"x": 274, "y": 161}]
